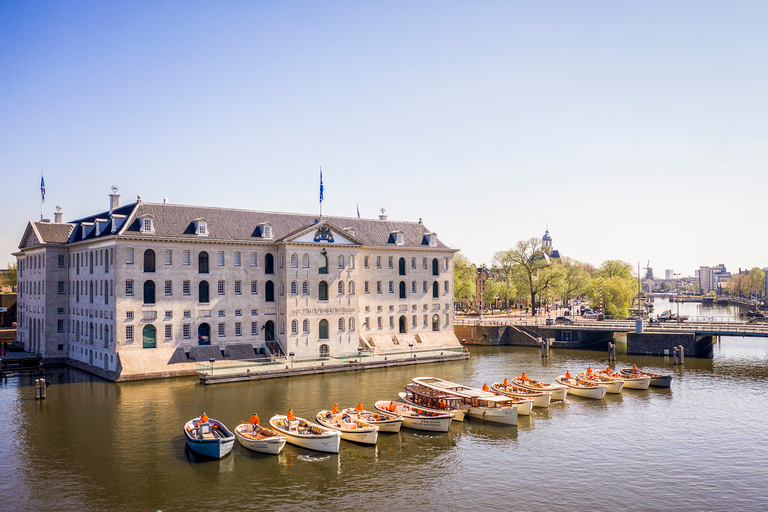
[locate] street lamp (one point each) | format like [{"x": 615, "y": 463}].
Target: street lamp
[
  {"x": 290, "y": 354},
  {"x": 211, "y": 361},
  {"x": 411, "y": 345},
  {"x": 677, "y": 281}
]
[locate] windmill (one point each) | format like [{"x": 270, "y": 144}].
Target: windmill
[{"x": 648, "y": 271}]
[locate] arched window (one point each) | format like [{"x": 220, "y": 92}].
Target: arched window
[
  {"x": 322, "y": 290},
  {"x": 90, "y": 294},
  {"x": 148, "y": 336},
  {"x": 351, "y": 262},
  {"x": 269, "y": 291},
  {"x": 341, "y": 287},
  {"x": 106, "y": 336},
  {"x": 351, "y": 324},
  {"x": 305, "y": 326},
  {"x": 282, "y": 260},
  {"x": 106, "y": 292},
  {"x": 401, "y": 266},
  {"x": 324, "y": 352},
  {"x": 435, "y": 290},
  {"x": 149, "y": 292},
  {"x": 435, "y": 267},
  {"x": 294, "y": 288},
  {"x": 90, "y": 336},
  {"x": 403, "y": 325},
  {"x": 294, "y": 261},
  {"x": 305, "y": 288},
  {"x": 341, "y": 325},
  {"x": 294, "y": 327},
  {"x": 323, "y": 334},
  {"x": 282, "y": 288},
  {"x": 435, "y": 322},
  {"x": 351, "y": 287},
  {"x": 269, "y": 331},
  {"x": 402, "y": 289},
  {"x": 322, "y": 264},
  {"x": 305, "y": 261},
  {"x": 202, "y": 263},
  {"x": 203, "y": 290},
  {"x": 341, "y": 261},
  {"x": 149, "y": 260},
  {"x": 204, "y": 334},
  {"x": 269, "y": 264}
]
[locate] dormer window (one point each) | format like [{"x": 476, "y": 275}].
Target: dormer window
[
  {"x": 265, "y": 230},
  {"x": 350, "y": 231},
  {"x": 201, "y": 227},
  {"x": 430, "y": 239},
  {"x": 398, "y": 238},
  {"x": 147, "y": 225}
]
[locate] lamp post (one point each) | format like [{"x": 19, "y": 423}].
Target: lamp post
[
  {"x": 411, "y": 345},
  {"x": 678, "y": 295},
  {"x": 290, "y": 354},
  {"x": 211, "y": 361}
]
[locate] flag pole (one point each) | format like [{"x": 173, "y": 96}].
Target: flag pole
[
  {"x": 42, "y": 194},
  {"x": 321, "y": 192}
]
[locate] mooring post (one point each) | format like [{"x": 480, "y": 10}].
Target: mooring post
[
  {"x": 681, "y": 356},
  {"x": 675, "y": 352},
  {"x": 43, "y": 386},
  {"x": 544, "y": 347},
  {"x": 37, "y": 389}
]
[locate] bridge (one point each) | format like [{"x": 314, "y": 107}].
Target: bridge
[{"x": 696, "y": 335}]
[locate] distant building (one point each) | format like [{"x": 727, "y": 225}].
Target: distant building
[
  {"x": 483, "y": 274},
  {"x": 546, "y": 245},
  {"x": 707, "y": 279},
  {"x": 669, "y": 274},
  {"x": 765, "y": 286}
]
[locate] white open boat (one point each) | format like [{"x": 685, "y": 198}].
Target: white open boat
[
  {"x": 307, "y": 434},
  {"x": 612, "y": 384},
  {"x": 260, "y": 439},
  {"x": 630, "y": 381},
  {"x": 583, "y": 387},
  {"x": 431, "y": 400},
  {"x": 477, "y": 403},
  {"x": 657, "y": 379},
  {"x": 210, "y": 438},
  {"x": 387, "y": 422},
  {"x": 352, "y": 429},
  {"x": 415, "y": 417},
  {"x": 540, "y": 398},
  {"x": 558, "y": 391}
]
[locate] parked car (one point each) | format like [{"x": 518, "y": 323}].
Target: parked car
[
  {"x": 564, "y": 320},
  {"x": 590, "y": 314}
]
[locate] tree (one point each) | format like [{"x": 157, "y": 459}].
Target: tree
[
  {"x": 617, "y": 296},
  {"x": 491, "y": 293},
  {"x": 8, "y": 277},
  {"x": 526, "y": 266},
  {"x": 574, "y": 278},
  {"x": 757, "y": 281},
  {"x": 464, "y": 278}
]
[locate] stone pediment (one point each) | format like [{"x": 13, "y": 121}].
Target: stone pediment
[{"x": 323, "y": 233}]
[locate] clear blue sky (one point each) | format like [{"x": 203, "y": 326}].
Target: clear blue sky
[{"x": 635, "y": 130}]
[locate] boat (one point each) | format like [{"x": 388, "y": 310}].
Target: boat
[
  {"x": 477, "y": 403},
  {"x": 260, "y": 439},
  {"x": 612, "y": 384},
  {"x": 558, "y": 391},
  {"x": 583, "y": 387},
  {"x": 540, "y": 398},
  {"x": 209, "y": 437},
  {"x": 657, "y": 379},
  {"x": 385, "y": 421},
  {"x": 306, "y": 434},
  {"x": 415, "y": 417},
  {"x": 352, "y": 429},
  {"x": 630, "y": 381},
  {"x": 431, "y": 400}
]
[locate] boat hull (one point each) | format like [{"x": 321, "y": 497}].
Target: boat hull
[
  {"x": 268, "y": 445},
  {"x": 388, "y": 423},
  {"x": 419, "y": 422},
  {"x": 637, "y": 382},
  {"x": 596, "y": 392},
  {"x": 540, "y": 399},
  {"x": 458, "y": 414},
  {"x": 557, "y": 391},
  {"x": 328, "y": 443},
  {"x": 362, "y": 433},
  {"x": 504, "y": 415},
  {"x": 664, "y": 381},
  {"x": 613, "y": 386},
  {"x": 214, "y": 448}
]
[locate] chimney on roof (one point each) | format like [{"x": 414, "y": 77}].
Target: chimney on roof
[
  {"x": 57, "y": 217},
  {"x": 114, "y": 202},
  {"x": 382, "y": 216}
]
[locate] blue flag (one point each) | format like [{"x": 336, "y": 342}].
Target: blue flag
[
  {"x": 321, "y": 185},
  {"x": 42, "y": 187},
  {"x": 358, "y": 211}
]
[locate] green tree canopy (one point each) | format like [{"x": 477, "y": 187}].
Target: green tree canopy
[
  {"x": 524, "y": 265},
  {"x": 8, "y": 277},
  {"x": 464, "y": 278}
]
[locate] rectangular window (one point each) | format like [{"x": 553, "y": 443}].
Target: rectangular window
[
  {"x": 445, "y": 263},
  {"x": 367, "y": 322},
  {"x": 129, "y": 287},
  {"x": 185, "y": 330},
  {"x": 413, "y": 263},
  {"x": 239, "y": 288},
  {"x": 378, "y": 321},
  {"x": 254, "y": 259},
  {"x": 365, "y": 262},
  {"x": 168, "y": 331},
  {"x": 60, "y": 325},
  {"x": 221, "y": 288},
  {"x": 220, "y": 258},
  {"x": 413, "y": 324},
  {"x": 237, "y": 258},
  {"x": 378, "y": 286},
  {"x": 128, "y": 333},
  {"x": 129, "y": 255},
  {"x": 446, "y": 287},
  {"x": 187, "y": 314},
  {"x": 366, "y": 288},
  {"x": 185, "y": 258},
  {"x": 390, "y": 262},
  {"x": 391, "y": 322},
  {"x": 424, "y": 288},
  {"x": 424, "y": 263},
  {"x": 221, "y": 313},
  {"x": 62, "y": 261},
  {"x": 378, "y": 261},
  {"x": 60, "y": 311},
  {"x": 413, "y": 286},
  {"x": 62, "y": 288},
  {"x": 254, "y": 328},
  {"x": 168, "y": 287},
  {"x": 254, "y": 312},
  {"x": 129, "y": 315},
  {"x": 391, "y": 287},
  {"x": 238, "y": 312},
  {"x": 185, "y": 288},
  {"x": 238, "y": 329},
  {"x": 222, "y": 331},
  {"x": 168, "y": 257},
  {"x": 254, "y": 287}
]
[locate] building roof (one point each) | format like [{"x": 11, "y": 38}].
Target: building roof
[{"x": 227, "y": 224}]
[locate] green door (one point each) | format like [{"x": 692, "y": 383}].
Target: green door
[{"x": 148, "y": 336}]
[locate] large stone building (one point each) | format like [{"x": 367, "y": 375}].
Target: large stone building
[{"x": 142, "y": 286}]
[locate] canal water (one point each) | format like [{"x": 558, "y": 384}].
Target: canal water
[{"x": 700, "y": 445}]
